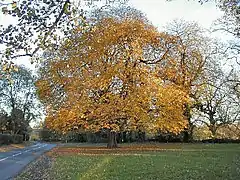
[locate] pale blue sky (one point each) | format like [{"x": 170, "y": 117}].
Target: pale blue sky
[{"x": 160, "y": 12}]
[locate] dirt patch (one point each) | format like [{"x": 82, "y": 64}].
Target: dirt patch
[
  {"x": 103, "y": 150},
  {"x": 37, "y": 170}
]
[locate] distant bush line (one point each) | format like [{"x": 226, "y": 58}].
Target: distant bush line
[
  {"x": 125, "y": 137},
  {"x": 11, "y": 139}
]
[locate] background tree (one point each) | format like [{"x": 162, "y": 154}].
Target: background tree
[
  {"x": 229, "y": 24},
  {"x": 117, "y": 12},
  {"x": 3, "y": 120},
  {"x": 229, "y": 131},
  {"x": 186, "y": 64},
  {"x": 231, "y": 18},
  {"x": 18, "y": 98},
  {"x": 218, "y": 103}
]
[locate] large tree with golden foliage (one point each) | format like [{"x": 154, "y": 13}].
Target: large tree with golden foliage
[{"x": 105, "y": 77}]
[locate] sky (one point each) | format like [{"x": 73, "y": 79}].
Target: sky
[{"x": 161, "y": 12}]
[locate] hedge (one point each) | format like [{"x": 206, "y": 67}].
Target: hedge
[
  {"x": 9, "y": 139},
  {"x": 221, "y": 141}
]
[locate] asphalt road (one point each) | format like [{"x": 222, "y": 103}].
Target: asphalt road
[{"x": 13, "y": 162}]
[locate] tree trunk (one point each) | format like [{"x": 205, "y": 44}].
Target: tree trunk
[
  {"x": 124, "y": 136},
  {"x": 213, "y": 130},
  {"x": 112, "y": 140},
  {"x": 141, "y": 136},
  {"x": 187, "y": 134},
  {"x": 213, "y": 125}
]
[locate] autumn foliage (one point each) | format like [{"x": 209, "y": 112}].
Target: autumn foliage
[{"x": 108, "y": 76}]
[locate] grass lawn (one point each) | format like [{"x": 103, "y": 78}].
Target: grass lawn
[{"x": 161, "y": 161}]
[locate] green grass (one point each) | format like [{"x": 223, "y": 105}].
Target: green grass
[{"x": 189, "y": 162}]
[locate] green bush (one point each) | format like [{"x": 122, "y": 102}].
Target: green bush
[
  {"x": 5, "y": 139},
  {"x": 9, "y": 139},
  {"x": 48, "y": 135},
  {"x": 17, "y": 139}
]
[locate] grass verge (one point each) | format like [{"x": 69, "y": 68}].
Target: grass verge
[
  {"x": 152, "y": 162},
  {"x": 10, "y": 147}
]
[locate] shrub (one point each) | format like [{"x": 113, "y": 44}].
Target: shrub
[
  {"x": 221, "y": 141},
  {"x": 9, "y": 138},
  {"x": 17, "y": 139},
  {"x": 5, "y": 139}
]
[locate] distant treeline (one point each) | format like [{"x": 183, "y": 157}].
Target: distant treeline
[{"x": 127, "y": 137}]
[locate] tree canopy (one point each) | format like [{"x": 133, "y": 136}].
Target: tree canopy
[
  {"x": 38, "y": 25},
  {"x": 106, "y": 81},
  {"x": 18, "y": 101}
]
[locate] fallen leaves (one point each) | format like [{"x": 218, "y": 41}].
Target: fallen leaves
[
  {"x": 38, "y": 170},
  {"x": 124, "y": 150},
  {"x": 6, "y": 148}
]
